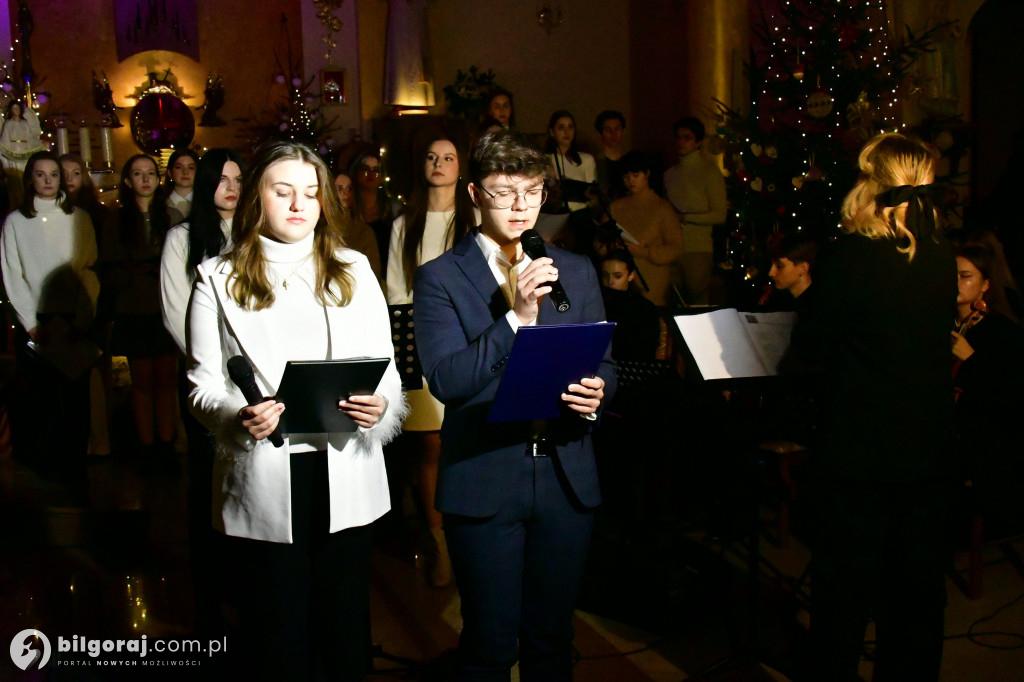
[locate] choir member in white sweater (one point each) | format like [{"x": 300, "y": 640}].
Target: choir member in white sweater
[{"x": 49, "y": 248}]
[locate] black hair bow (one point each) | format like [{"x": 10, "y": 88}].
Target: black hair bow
[{"x": 920, "y": 209}]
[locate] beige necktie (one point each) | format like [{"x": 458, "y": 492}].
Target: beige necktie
[{"x": 511, "y": 275}]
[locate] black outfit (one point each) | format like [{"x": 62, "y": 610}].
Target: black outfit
[
  {"x": 638, "y": 324},
  {"x": 987, "y": 415},
  {"x": 879, "y": 324},
  {"x": 39, "y": 397},
  {"x": 609, "y": 177},
  {"x": 130, "y": 295},
  {"x": 281, "y": 626}
]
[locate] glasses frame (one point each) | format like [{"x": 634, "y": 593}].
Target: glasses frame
[{"x": 515, "y": 196}]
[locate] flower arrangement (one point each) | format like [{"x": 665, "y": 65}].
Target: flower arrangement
[{"x": 468, "y": 94}]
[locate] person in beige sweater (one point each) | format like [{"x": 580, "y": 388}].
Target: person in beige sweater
[{"x": 655, "y": 227}]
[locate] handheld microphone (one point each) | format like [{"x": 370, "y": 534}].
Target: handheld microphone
[
  {"x": 533, "y": 246},
  {"x": 240, "y": 372}
]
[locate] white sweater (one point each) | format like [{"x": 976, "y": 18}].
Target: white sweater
[
  {"x": 34, "y": 249},
  {"x": 176, "y": 281},
  {"x": 586, "y": 171},
  {"x": 437, "y": 238}
]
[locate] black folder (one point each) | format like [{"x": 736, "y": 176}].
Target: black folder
[
  {"x": 543, "y": 362},
  {"x": 311, "y": 389}
]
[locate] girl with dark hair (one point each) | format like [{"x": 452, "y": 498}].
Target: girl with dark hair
[
  {"x": 988, "y": 371},
  {"x": 179, "y": 181},
  {"x": 297, "y": 518},
  {"x": 49, "y": 248},
  {"x": 568, "y": 162},
  {"x": 372, "y": 203},
  {"x": 206, "y": 234},
  {"x": 653, "y": 224},
  {"x": 439, "y": 214},
  {"x": 131, "y": 257},
  {"x": 218, "y": 183},
  {"x": 499, "y": 110}
]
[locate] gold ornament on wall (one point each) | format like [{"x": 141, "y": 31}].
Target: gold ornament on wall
[{"x": 325, "y": 13}]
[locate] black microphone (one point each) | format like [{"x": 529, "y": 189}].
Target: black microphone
[
  {"x": 240, "y": 372},
  {"x": 533, "y": 246}
]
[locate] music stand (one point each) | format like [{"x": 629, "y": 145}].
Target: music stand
[{"x": 403, "y": 337}]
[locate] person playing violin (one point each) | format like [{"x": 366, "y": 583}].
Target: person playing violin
[{"x": 988, "y": 370}]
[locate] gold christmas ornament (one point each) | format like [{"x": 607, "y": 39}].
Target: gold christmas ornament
[{"x": 819, "y": 104}]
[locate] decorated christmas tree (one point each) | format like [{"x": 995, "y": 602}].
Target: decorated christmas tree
[
  {"x": 825, "y": 76},
  {"x": 296, "y": 115}
]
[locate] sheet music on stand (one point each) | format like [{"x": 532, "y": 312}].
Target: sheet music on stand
[
  {"x": 403, "y": 337},
  {"x": 728, "y": 344}
]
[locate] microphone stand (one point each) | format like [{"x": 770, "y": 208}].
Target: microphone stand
[{"x": 610, "y": 225}]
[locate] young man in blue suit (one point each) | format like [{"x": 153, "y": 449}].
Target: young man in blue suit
[{"x": 517, "y": 497}]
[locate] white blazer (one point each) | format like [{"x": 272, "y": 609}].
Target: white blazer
[{"x": 251, "y": 480}]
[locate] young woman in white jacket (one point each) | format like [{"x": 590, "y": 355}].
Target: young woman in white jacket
[{"x": 297, "y": 517}]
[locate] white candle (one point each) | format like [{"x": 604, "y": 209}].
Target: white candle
[
  {"x": 84, "y": 148},
  {"x": 62, "y": 141},
  {"x": 108, "y": 148}
]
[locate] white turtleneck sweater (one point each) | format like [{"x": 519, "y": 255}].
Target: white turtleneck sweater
[
  {"x": 35, "y": 248},
  {"x": 176, "y": 280},
  {"x": 291, "y": 272}
]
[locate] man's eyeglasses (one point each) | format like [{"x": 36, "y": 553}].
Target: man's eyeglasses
[{"x": 507, "y": 199}]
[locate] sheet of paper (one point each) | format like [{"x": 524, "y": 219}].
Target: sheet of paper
[
  {"x": 770, "y": 333},
  {"x": 721, "y": 345},
  {"x": 627, "y": 237}
]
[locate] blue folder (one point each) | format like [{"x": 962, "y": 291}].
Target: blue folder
[{"x": 543, "y": 361}]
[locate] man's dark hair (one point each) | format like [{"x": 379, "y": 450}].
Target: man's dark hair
[
  {"x": 608, "y": 115},
  {"x": 635, "y": 161},
  {"x": 692, "y": 124},
  {"x": 797, "y": 248},
  {"x": 506, "y": 152}
]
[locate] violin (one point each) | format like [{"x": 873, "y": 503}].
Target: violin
[{"x": 979, "y": 309}]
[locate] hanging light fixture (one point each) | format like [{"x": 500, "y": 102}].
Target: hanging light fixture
[{"x": 549, "y": 17}]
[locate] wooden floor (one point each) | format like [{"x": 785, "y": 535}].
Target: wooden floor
[{"x": 109, "y": 555}]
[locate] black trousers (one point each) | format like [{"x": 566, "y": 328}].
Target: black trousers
[
  {"x": 303, "y": 607},
  {"x": 202, "y": 538},
  {"x": 519, "y": 575},
  {"x": 882, "y": 550},
  {"x": 49, "y": 414}
]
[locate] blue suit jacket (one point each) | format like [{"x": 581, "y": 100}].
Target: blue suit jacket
[{"x": 463, "y": 341}]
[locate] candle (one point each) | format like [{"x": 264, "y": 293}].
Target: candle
[
  {"x": 62, "y": 141},
  {"x": 84, "y": 148},
  {"x": 108, "y": 148}
]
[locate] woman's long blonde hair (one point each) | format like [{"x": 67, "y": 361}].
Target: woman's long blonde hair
[
  {"x": 249, "y": 285},
  {"x": 887, "y": 161}
]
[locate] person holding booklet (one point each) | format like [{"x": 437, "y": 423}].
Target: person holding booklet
[
  {"x": 516, "y": 497},
  {"x": 296, "y": 518},
  {"x": 885, "y": 294}
]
